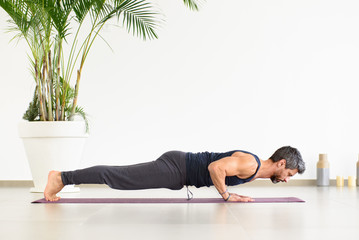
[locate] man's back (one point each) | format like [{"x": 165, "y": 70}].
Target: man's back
[{"x": 197, "y": 168}]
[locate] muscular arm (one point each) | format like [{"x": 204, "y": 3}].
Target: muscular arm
[{"x": 230, "y": 166}]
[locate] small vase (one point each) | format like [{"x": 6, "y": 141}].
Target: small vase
[{"x": 323, "y": 170}]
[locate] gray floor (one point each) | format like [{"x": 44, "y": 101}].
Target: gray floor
[{"x": 329, "y": 213}]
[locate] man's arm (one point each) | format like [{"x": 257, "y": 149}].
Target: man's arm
[{"x": 230, "y": 166}]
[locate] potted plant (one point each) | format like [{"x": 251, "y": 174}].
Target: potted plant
[{"x": 60, "y": 34}]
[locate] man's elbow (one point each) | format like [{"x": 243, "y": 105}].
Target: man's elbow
[{"x": 213, "y": 167}]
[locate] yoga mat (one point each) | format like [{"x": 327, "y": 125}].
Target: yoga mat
[{"x": 166, "y": 200}]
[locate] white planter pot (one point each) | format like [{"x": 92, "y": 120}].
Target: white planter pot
[{"x": 50, "y": 146}]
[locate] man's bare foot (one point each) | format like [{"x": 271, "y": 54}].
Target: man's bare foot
[{"x": 54, "y": 185}]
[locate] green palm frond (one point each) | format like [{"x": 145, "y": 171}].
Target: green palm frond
[
  {"x": 19, "y": 14},
  {"x": 80, "y": 111},
  {"x": 99, "y": 8},
  {"x": 59, "y": 11},
  {"x": 139, "y": 17},
  {"x": 67, "y": 93},
  {"x": 193, "y": 4},
  {"x": 105, "y": 13},
  {"x": 81, "y": 9}
]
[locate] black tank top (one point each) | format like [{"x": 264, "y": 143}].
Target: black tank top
[{"x": 197, "y": 173}]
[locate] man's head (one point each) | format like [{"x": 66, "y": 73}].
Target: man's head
[{"x": 288, "y": 162}]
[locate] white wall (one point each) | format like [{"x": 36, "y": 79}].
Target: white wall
[{"x": 249, "y": 74}]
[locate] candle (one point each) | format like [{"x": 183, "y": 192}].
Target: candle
[
  {"x": 351, "y": 181},
  {"x": 340, "y": 181}
]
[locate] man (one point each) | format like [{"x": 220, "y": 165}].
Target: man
[{"x": 176, "y": 169}]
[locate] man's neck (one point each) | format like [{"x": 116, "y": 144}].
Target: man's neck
[{"x": 266, "y": 170}]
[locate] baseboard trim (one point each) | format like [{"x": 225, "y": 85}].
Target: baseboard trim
[
  {"x": 30, "y": 184},
  {"x": 259, "y": 183},
  {"x": 16, "y": 183}
]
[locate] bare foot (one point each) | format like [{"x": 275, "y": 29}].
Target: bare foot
[{"x": 54, "y": 185}]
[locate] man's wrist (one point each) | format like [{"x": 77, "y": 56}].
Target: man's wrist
[
  {"x": 226, "y": 196},
  {"x": 224, "y": 192}
]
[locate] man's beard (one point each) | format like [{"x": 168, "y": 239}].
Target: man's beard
[{"x": 274, "y": 179}]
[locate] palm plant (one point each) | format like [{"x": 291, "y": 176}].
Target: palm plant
[{"x": 46, "y": 25}]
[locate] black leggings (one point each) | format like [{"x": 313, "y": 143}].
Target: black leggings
[{"x": 168, "y": 171}]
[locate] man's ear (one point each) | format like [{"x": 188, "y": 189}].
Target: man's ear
[{"x": 282, "y": 162}]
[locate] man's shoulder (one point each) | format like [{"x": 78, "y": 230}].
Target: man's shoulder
[
  {"x": 246, "y": 161},
  {"x": 244, "y": 156}
]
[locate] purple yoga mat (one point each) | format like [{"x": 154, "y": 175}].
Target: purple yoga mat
[{"x": 166, "y": 200}]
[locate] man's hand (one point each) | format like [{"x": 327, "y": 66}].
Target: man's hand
[{"x": 239, "y": 198}]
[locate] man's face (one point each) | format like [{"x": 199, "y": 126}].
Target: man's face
[{"x": 283, "y": 174}]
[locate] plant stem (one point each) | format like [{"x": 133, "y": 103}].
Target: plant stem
[
  {"x": 70, "y": 65},
  {"x": 57, "y": 94},
  {"x": 86, "y": 50},
  {"x": 42, "y": 115},
  {"x": 49, "y": 86},
  {"x": 43, "y": 84}
]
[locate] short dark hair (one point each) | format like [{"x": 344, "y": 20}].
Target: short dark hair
[{"x": 292, "y": 156}]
